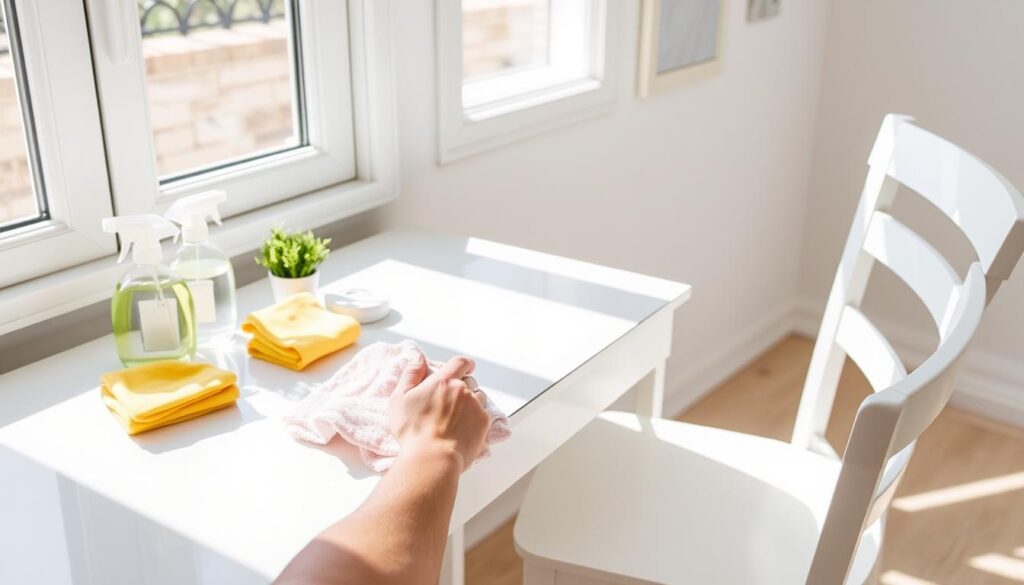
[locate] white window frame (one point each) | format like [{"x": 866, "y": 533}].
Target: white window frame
[
  {"x": 65, "y": 116},
  {"x": 503, "y": 108},
  {"x": 328, "y": 159},
  {"x": 375, "y": 182}
]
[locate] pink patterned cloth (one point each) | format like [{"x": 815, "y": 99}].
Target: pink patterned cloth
[{"x": 354, "y": 404}]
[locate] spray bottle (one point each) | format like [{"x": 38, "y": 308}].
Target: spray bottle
[
  {"x": 151, "y": 309},
  {"x": 205, "y": 267}
]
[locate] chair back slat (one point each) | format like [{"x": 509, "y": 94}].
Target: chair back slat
[
  {"x": 869, "y": 349},
  {"x": 923, "y": 406},
  {"x": 980, "y": 201},
  {"x": 916, "y": 263},
  {"x": 990, "y": 213}
]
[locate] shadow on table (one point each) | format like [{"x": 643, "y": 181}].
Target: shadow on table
[{"x": 188, "y": 433}]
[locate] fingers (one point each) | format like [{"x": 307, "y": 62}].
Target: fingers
[
  {"x": 456, "y": 368},
  {"x": 414, "y": 373},
  {"x": 473, "y": 386},
  {"x": 481, "y": 398},
  {"x": 465, "y": 388},
  {"x": 456, "y": 386}
]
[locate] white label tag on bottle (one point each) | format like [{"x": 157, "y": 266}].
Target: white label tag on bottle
[
  {"x": 202, "y": 298},
  {"x": 158, "y": 319}
]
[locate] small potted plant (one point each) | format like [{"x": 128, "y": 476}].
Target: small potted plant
[{"x": 291, "y": 259}]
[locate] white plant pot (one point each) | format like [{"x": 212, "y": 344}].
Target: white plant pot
[{"x": 286, "y": 287}]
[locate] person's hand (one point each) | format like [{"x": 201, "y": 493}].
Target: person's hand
[{"x": 444, "y": 410}]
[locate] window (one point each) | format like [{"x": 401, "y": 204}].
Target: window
[
  {"x": 125, "y": 105},
  {"x": 252, "y": 96},
  {"x": 522, "y": 66},
  {"x": 21, "y": 202},
  {"x": 499, "y": 37},
  {"x": 220, "y": 95},
  {"x": 52, "y": 174}
]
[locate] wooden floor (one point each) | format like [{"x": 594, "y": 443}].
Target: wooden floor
[{"x": 958, "y": 517}]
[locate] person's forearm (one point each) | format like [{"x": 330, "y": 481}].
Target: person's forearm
[{"x": 397, "y": 536}]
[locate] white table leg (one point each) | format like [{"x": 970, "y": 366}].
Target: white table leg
[
  {"x": 453, "y": 568},
  {"x": 650, "y": 393}
]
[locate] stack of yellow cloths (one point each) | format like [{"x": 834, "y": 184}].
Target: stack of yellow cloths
[
  {"x": 298, "y": 331},
  {"x": 163, "y": 393}
]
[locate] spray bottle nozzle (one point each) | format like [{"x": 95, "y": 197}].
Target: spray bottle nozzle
[
  {"x": 192, "y": 212},
  {"x": 141, "y": 234}
]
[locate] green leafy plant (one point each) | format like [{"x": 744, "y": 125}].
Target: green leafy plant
[{"x": 292, "y": 254}]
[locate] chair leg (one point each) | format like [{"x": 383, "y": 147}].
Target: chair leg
[{"x": 453, "y": 567}]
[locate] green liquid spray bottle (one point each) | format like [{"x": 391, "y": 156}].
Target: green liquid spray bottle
[{"x": 151, "y": 310}]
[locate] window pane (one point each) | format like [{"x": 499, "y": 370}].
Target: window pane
[
  {"x": 503, "y": 35},
  {"x": 18, "y": 201},
  {"x": 221, "y": 81}
]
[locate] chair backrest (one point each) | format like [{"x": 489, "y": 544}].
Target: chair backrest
[{"x": 990, "y": 213}]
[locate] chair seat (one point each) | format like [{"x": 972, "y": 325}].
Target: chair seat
[{"x": 632, "y": 499}]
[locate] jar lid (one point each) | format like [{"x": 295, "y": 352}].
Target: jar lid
[{"x": 363, "y": 305}]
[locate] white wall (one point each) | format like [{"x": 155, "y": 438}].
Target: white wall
[
  {"x": 702, "y": 184},
  {"x": 956, "y": 66}
]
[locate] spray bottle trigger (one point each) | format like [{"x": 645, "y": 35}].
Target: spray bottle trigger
[{"x": 125, "y": 247}]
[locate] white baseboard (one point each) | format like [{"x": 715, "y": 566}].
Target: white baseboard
[
  {"x": 990, "y": 384},
  {"x": 806, "y": 317},
  {"x": 704, "y": 373}
]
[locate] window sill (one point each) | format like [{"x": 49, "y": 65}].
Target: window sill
[
  {"x": 48, "y": 296},
  {"x": 552, "y": 92},
  {"x": 493, "y": 126}
]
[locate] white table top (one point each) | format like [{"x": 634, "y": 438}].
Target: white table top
[{"x": 233, "y": 481}]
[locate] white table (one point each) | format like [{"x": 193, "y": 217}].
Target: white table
[{"x": 230, "y": 498}]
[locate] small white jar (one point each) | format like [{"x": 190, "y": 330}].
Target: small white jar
[{"x": 362, "y": 305}]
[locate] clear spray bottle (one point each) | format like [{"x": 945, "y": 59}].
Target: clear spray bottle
[
  {"x": 205, "y": 267},
  {"x": 151, "y": 310}
]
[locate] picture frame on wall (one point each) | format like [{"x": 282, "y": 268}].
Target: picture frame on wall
[{"x": 681, "y": 42}]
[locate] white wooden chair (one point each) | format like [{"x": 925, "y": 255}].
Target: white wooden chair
[{"x": 641, "y": 500}]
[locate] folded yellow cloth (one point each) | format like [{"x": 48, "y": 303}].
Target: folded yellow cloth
[
  {"x": 298, "y": 331},
  {"x": 163, "y": 393}
]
